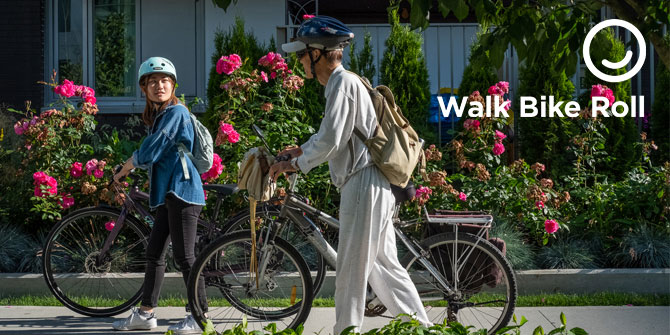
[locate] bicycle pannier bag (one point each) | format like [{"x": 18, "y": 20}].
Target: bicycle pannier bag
[
  {"x": 394, "y": 146},
  {"x": 203, "y": 149}
]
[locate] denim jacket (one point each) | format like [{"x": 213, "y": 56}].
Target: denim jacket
[{"x": 159, "y": 154}]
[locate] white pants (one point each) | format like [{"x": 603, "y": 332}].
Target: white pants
[{"x": 367, "y": 253}]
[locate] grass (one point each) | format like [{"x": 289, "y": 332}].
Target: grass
[{"x": 537, "y": 300}]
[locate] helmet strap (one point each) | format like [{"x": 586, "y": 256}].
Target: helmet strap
[{"x": 313, "y": 62}]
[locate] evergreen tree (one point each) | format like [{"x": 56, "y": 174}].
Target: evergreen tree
[
  {"x": 363, "y": 62},
  {"x": 660, "y": 113}
]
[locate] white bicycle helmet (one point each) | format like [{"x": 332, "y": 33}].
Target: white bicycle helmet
[{"x": 157, "y": 65}]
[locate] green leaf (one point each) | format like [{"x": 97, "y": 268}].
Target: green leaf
[
  {"x": 578, "y": 331},
  {"x": 660, "y": 194},
  {"x": 461, "y": 11},
  {"x": 419, "y": 14},
  {"x": 538, "y": 331}
]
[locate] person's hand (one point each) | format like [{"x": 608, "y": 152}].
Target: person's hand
[
  {"x": 125, "y": 170},
  {"x": 292, "y": 151},
  {"x": 280, "y": 167}
]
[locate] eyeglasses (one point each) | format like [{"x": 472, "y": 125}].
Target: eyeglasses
[{"x": 301, "y": 53}]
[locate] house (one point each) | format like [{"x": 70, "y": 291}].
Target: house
[{"x": 101, "y": 43}]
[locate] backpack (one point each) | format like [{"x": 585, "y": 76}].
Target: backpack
[
  {"x": 395, "y": 147},
  {"x": 203, "y": 149}
]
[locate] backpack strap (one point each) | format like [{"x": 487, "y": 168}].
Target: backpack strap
[{"x": 182, "y": 152}]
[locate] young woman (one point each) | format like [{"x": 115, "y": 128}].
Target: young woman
[{"x": 177, "y": 200}]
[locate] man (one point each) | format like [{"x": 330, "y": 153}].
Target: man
[{"x": 366, "y": 250}]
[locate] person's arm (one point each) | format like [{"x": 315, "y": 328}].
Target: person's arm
[
  {"x": 155, "y": 145},
  {"x": 333, "y": 135}
]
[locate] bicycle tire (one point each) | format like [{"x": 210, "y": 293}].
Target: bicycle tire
[
  {"x": 225, "y": 268},
  {"x": 476, "y": 256},
  {"x": 80, "y": 284},
  {"x": 316, "y": 263}
]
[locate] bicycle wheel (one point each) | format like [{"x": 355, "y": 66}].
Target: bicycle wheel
[
  {"x": 482, "y": 279},
  {"x": 76, "y": 278},
  {"x": 267, "y": 214},
  {"x": 233, "y": 294}
]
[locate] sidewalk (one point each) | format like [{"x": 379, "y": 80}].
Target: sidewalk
[{"x": 607, "y": 320}]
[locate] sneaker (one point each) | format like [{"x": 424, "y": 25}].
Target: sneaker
[
  {"x": 136, "y": 322},
  {"x": 186, "y": 326}
]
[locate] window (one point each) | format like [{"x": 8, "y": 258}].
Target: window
[{"x": 70, "y": 36}]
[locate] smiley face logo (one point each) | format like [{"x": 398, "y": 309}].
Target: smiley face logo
[{"x": 629, "y": 54}]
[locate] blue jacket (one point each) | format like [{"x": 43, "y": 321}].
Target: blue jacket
[{"x": 159, "y": 154}]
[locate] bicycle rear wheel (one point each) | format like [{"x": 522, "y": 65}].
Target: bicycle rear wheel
[
  {"x": 73, "y": 273},
  {"x": 232, "y": 294},
  {"x": 266, "y": 215},
  {"x": 483, "y": 281}
]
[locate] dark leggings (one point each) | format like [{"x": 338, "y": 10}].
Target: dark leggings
[{"x": 178, "y": 220}]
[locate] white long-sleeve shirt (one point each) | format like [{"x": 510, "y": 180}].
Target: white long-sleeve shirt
[{"x": 347, "y": 104}]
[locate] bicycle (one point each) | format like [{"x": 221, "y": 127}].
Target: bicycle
[
  {"x": 94, "y": 258},
  {"x": 451, "y": 270}
]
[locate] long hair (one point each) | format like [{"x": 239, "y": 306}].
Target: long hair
[{"x": 151, "y": 108}]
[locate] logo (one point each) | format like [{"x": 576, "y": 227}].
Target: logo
[{"x": 629, "y": 54}]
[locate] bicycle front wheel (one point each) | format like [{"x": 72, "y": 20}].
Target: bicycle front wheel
[
  {"x": 233, "y": 293},
  {"x": 83, "y": 281},
  {"x": 482, "y": 280}
]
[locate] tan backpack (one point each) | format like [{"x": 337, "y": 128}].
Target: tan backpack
[{"x": 395, "y": 146}]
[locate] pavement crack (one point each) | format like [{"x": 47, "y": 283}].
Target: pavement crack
[{"x": 548, "y": 320}]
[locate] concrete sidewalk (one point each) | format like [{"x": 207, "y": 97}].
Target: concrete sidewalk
[{"x": 629, "y": 320}]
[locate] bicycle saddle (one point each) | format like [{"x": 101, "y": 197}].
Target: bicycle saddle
[{"x": 222, "y": 189}]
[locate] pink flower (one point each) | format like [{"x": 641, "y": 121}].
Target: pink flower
[
  {"x": 551, "y": 226},
  {"x": 500, "y": 135},
  {"x": 215, "y": 171},
  {"x": 75, "y": 170},
  {"x": 40, "y": 178},
  {"x": 273, "y": 75},
  {"x": 18, "y": 128},
  {"x": 67, "y": 89},
  {"x": 110, "y": 225},
  {"x": 91, "y": 166},
  {"x": 503, "y": 86},
  {"x": 264, "y": 76},
  {"x": 495, "y": 90},
  {"x": 67, "y": 201},
  {"x": 233, "y": 137},
  {"x": 507, "y": 104},
  {"x": 602, "y": 91},
  {"x": 422, "y": 195},
  {"x": 88, "y": 94},
  {"x": 228, "y": 64},
  {"x": 226, "y": 128},
  {"x": 498, "y": 149},
  {"x": 539, "y": 205},
  {"x": 471, "y": 124},
  {"x": 462, "y": 196},
  {"x": 98, "y": 173},
  {"x": 307, "y": 16}
]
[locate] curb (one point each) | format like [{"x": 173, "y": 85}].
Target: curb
[{"x": 569, "y": 281}]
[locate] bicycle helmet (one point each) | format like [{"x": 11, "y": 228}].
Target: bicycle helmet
[
  {"x": 157, "y": 65},
  {"x": 320, "y": 32}
]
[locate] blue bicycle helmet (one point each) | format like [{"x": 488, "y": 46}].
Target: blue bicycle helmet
[
  {"x": 157, "y": 65},
  {"x": 320, "y": 32}
]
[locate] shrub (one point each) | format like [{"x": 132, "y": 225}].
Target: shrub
[
  {"x": 236, "y": 40},
  {"x": 660, "y": 113},
  {"x": 479, "y": 73},
  {"x": 363, "y": 62},
  {"x": 567, "y": 253},
  {"x": 11, "y": 240},
  {"x": 404, "y": 71},
  {"x": 519, "y": 253},
  {"x": 644, "y": 247},
  {"x": 622, "y": 131}
]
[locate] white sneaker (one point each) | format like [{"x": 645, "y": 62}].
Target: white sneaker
[
  {"x": 186, "y": 326},
  {"x": 136, "y": 322}
]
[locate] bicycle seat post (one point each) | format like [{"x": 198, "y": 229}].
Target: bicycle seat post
[{"x": 293, "y": 178}]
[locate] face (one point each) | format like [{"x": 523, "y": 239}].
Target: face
[
  {"x": 159, "y": 87},
  {"x": 303, "y": 57}
]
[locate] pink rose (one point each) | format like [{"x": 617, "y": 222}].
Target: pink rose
[
  {"x": 228, "y": 64},
  {"x": 91, "y": 166},
  {"x": 462, "y": 196},
  {"x": 215, "y": 171},
  {"x": 18, "y": 128},
  {"x": 110, "y": 225},
  {"x": 67, "y": 89},
  {"x": 551, "y": 226},
  {"x": 273, "y": 75},
  {"x": 539, "y": 204},
  {"x": 39, "y": 177},
  {"x": 233, "y": 137},
  {"x": 602, "y": 91},
  {"x": 88, "y": 94},
  {"x": 471, "y": 124},
  {"x": 500, "y": 135},
  {"x": 76, "y": 170},
  {"x": 498, "y": 149},
  {"x": 507, "y": 104},
  {"x": 495, "y": 90},
  {"x": 503, "y": 86},
  {"x": 67, "y": 201},
  {"x": 226, "y": 128},
  {"x": 98, "y": 173},
  {"x": 264, "y": 76},
  {"x": 307, "y": 16}
]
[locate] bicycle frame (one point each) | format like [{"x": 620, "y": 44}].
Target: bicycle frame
[{"x": 293, "y": 209}]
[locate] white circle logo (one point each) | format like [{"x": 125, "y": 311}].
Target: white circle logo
[{"x": 629, "y": 54}]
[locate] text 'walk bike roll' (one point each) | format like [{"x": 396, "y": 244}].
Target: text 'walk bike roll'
[{"x": 459, "y": 274}]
